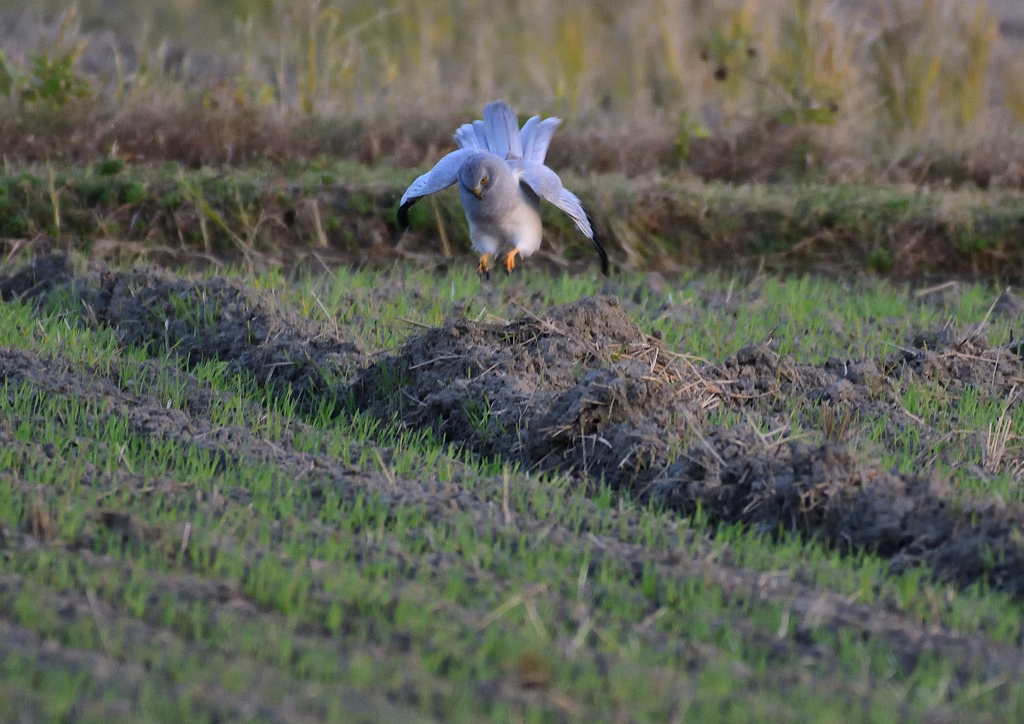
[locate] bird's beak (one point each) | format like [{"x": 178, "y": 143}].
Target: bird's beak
[{"x": 478, "y": 191}]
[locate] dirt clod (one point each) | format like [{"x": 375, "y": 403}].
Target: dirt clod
[
  {"x": 36, "y": 278},
  {"x": 1008, "y": 304},
  {"x": 126, "y": 525},
  {"x": 525, "y": 390}
]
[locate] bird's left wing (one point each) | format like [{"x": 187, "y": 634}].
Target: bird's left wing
[
  {"x": 443, "y": 175},
  {"x": 545, "y": 183}
]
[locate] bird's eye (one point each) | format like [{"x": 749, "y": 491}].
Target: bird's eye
[{"x": 483, "y": 181}]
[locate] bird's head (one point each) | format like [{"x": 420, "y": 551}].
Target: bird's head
[{"x": 478, "y": 176}]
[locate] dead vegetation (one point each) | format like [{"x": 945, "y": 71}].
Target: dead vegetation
[{"x": 777, "y": 91}]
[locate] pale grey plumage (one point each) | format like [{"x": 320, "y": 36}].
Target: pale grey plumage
[
  {"x": 501, "y": 175},
  {"x": 440, "y": 177},
  {"x": 546, "y": 184},
  {"x": 538, "y": 142}
]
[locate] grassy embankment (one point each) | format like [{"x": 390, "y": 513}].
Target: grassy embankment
[{"x": 265, "y": 215}]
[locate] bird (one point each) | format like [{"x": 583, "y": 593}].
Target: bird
[{"x": 501, "y": 175}]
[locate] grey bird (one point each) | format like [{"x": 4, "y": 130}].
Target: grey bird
[{"x": 502, "y": 178}]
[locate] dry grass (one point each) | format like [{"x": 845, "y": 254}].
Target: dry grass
[
  {"x": 995, "y": 443},
  {"x": 884, "y": 90}
]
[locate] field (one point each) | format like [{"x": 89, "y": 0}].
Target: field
[
  {"x": 406, "y": 495},
  {"x": 267, "y": 457}
]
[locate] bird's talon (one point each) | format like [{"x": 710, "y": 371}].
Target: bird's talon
[
  {"x": 510, "y": 261},
  {"x": 483, "y": 268}
]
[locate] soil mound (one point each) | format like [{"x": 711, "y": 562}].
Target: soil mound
[
  {"x": 584, "y": 391},
  {"x": 739, "y": 476},
  {"x": 199, "y": 320},
  {"x": 957, "y": 360},
  {"x": 524, "y": 390}
]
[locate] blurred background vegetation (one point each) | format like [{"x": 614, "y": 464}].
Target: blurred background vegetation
[{"x": 925, "y": 91}]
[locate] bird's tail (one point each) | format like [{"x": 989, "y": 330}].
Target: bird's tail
[
  {"x": 536, "y": 136},
  {"x": 502, "y": 130},
  {"x": 499, "y": 133}
]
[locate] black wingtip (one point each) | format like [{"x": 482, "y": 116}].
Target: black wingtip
[
  {"x": 403, "y": 213},
  {"x": 598, "y": 245}
]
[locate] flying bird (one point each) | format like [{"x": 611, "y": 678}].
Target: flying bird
[{"x": 502, "y": 178}]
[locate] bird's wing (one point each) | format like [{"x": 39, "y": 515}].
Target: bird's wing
[
  {"x": 440, "y": 177},
  {"x": 545, "y": 183}
]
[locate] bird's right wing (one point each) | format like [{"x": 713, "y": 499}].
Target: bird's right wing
[
  {"x": 443, "y": 175},
  {"x": 545, "y": 183}
]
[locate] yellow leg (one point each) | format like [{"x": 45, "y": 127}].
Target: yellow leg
[
  {"x": 510, "y": 261},
  {"x": 485, "y": 262}
]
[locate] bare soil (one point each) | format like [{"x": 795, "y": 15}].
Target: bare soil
[{"x": 584, "y": 391}]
